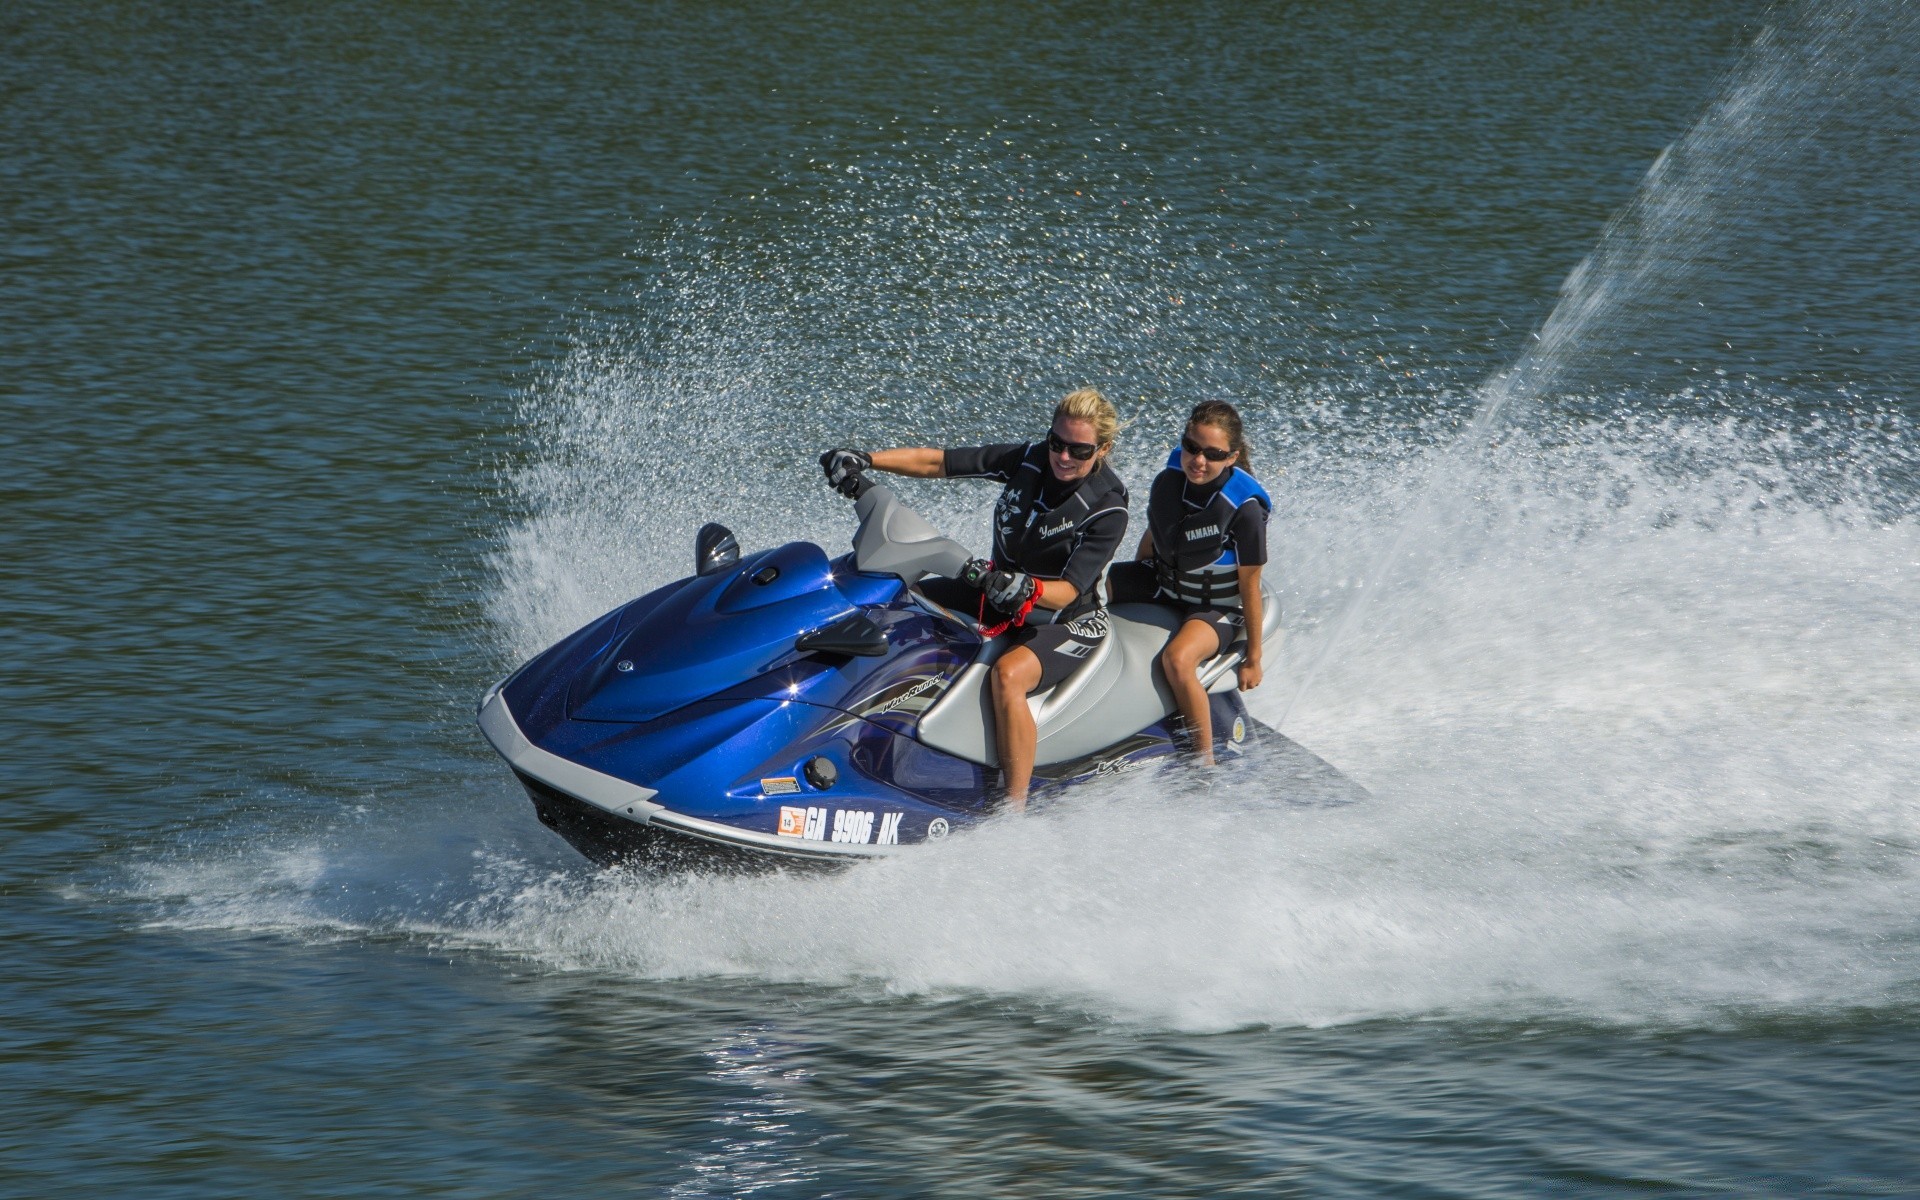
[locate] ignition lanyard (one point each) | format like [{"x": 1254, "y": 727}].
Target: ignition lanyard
[{"x": 1019, "y": 618}]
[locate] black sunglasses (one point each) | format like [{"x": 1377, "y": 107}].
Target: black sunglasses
[
  {"x": 1079, "y": 451},
  {"x": 1207, "y": 452}
]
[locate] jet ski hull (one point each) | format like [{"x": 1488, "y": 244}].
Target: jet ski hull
[
  {"x": 893, "y": 791},
  {"x": 611, "y": 840}
]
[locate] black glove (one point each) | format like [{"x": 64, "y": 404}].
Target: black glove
[
  {"x": 843, "y": 468},
  {"x": 1008, "y": 591}
]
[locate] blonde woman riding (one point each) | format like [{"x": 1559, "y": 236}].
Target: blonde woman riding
[{"x": 1060, "y": 519}]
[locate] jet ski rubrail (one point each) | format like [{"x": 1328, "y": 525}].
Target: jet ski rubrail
[{"x": 785, "y": 706}]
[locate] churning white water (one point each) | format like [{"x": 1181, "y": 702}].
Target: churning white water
[{"x": 1642, "y": 743}]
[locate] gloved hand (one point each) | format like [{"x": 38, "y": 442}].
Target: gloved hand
[
  {"x": 843, "y": 468},
  {"x": 1009, "y": 591}
]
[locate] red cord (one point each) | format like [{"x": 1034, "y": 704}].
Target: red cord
[{"x": 1019, "y": 618}]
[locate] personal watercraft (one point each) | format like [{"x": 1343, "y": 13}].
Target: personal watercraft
[{"x": 789, "y": 707}]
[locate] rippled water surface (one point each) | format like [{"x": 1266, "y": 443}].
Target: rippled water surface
[{"x": 352, "y": 353}]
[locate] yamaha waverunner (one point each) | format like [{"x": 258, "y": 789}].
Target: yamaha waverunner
[{"x": 787, "y": 707}]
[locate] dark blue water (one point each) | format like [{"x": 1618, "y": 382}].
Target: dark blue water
[{"x": 350, "y": 354}]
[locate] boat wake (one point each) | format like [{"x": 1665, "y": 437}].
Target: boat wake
[{"x": 1640, "y": 737}]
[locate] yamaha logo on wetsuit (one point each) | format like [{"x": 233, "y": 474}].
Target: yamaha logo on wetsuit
[
  {"x": 1009, "y": 518},
  {"x": 1055, "y": 530}
]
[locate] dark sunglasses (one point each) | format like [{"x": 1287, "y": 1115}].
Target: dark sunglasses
[
  {"x": 1207, "y": 452},
  {"x": 1079, "y": 451}
]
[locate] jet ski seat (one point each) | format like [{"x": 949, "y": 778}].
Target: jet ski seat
[
  {"x": 1048, "y": 701},
  {"x": 1120, "y": 686}
]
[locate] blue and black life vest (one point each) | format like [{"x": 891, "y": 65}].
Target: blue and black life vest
[{"x": 1193, "y": 555}]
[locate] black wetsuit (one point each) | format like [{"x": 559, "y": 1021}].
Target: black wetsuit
[
  {"x": 1051, "y": 530},
  {"x": 1202, "y": 536}
]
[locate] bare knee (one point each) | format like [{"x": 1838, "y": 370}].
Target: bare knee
[
  {"x": 1014, "y": 677},
  {"x": 1180, "y": 661}
]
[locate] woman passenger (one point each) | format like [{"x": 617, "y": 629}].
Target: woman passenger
[
  {"x": 1059, "y": 520},
  {"x": 1205, "y": 543}
]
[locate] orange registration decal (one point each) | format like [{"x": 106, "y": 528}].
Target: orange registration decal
[{"x": 793, "y": 822}]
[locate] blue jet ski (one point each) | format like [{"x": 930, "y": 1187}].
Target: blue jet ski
[{"x": 787, "y": 707}]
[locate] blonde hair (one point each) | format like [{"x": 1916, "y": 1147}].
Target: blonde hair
[{"x": 1087, "y": 404}]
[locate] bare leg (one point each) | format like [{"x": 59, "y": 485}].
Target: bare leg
[
  {"x": 1193, "y": 644},
  {"x": 1014, "y": 676}
]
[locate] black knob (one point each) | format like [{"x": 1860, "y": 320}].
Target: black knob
[{"x": 821, "y": 773}]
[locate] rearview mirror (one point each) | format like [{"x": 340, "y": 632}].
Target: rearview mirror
[{"x": 714, "y": 549}]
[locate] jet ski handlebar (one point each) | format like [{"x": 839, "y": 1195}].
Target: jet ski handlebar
[{"x": 895, "y": 540}]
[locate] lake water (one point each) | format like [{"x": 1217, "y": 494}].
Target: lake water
[{"x": 350, "y": 353}]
